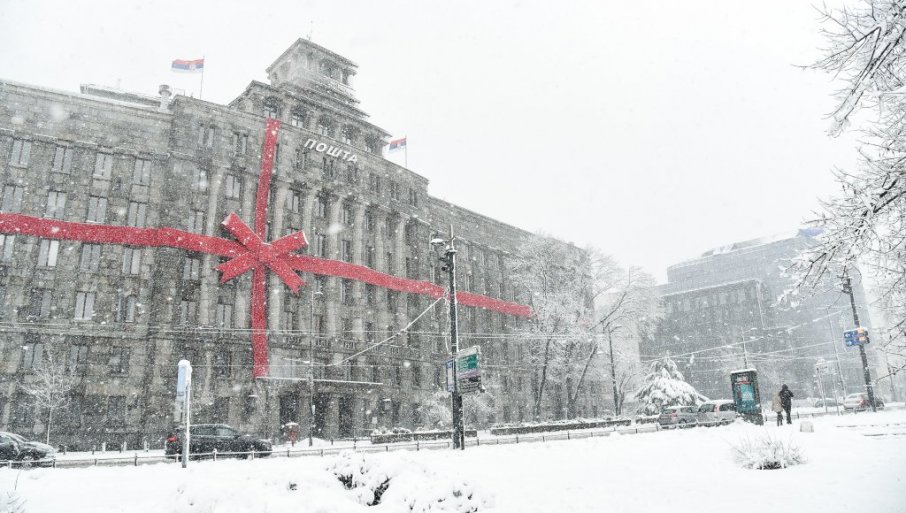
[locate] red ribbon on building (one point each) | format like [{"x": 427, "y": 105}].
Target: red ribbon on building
[{"x": 247, "y": 253}]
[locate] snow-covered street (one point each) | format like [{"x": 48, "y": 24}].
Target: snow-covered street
[{"x": 844, "y": 471}]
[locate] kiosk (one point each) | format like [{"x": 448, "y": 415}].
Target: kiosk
[{"x": 745, "y": 394}]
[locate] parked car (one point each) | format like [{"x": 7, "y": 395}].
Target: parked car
[
  {"x": 677, "y": 416},
  {"x": 829, "y": 402},
  {"x": 712, "y": 413},
  {"x": 206, "y": 438},
  {"x": 859, "y": 402},
  {"x": 13, "y": 447}
]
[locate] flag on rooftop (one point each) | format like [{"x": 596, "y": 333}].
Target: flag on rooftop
[
  {"x": 397, "y": 144},
  {"x": 190, "y": 66}
]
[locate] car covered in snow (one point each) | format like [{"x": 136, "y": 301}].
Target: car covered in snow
[
  {"x": 14, "y": 447},
  {"x": 859, "y": 402},
  {"x": 713, "y": 413},
  {"x": 677, "y": 417},
  {"x": 207, "y": 438}
]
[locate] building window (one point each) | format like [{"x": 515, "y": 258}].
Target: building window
[
  {"x": 327, "y": 168},
  {"x": 187, "y": 312},
  {"x": 224, "y": 315},
  {"x": 84, "y": 306},
  {"x": 388, "y": 261},
  {"x": 413, "y": 196},
  {"x": 348, "y": 217},
  {"x": 21, "y": 152},
  {"x": 346, "y": 296},
  {"x": 47, "y": 253},
  {"x": 294, "y": 201},
  {"x": 297, "y": 117},
  {"x": 103, "y": 165},
  {"x": 128, "y": 307},
  {"x": 136, "y": 215},
  {"x": 141, "y": 173},
  {"x": 91, "y": 257},
  {"x": 191, "y": 269},
  {"x": 370, "y": 221},
  {"x": 56, "y": 205},
  {"x": 320, "y": 325},
  {"x": 290, "y": 319},
  {"x": 199, "y": 180},
  {"x": 416, "y": 376},
  {"x": 232, "y": 186},
  {"x": 346, "y": 250},
  {"x": 352, "y": 174},
  {"x": 119, "y": 360},
  {"x": 321, "y": 286},
  {"x": 374, "y": 183},
  {"x": 132, "y": 260},
  {"x": 325, "y": 127},
  {"x": 370, "y": 294},
  {"x": 196, "y": 221},
  {"x": 321, "y": 207},
  {"x": 12, "y": 198},
  {"x": 369, "y": 256},
  {"x": 32, "y": 355},
  {"x": 321, "y": 245},
  {"x": 97, "y": 209},
  {"x": 349, "y": 133},
  {"x": 78, "y": 358},
  {"x": 116, "y": 411},
  {"x": 41, "y": 304},
  {"x": 240, "y": 143},
  {"x": 394, "y": 190},
  {"x": 392, "y": 300},
  {"x": 206, "y": 136},
  {"x": 411, "y": 268},
  {"x": 62, "y": 159},
  {"x": 373, "y": 145},
  {"x": 271, "y": 108},
  {"x": 222, "y": 363},
  {"x": 7, "y": 243},
  {"x": 221, "y": 409}
]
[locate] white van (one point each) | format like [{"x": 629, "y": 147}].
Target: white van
[{"x": 714, "y": 413}]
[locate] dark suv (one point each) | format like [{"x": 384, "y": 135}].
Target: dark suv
[
  {"x": 206, "y": 438},
  {"x": 15, "y": 448}
]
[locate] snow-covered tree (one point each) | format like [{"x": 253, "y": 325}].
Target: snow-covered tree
[
  {"x": 665, "y": 386},
  {"x": 434, "y": 409},
  {"x": 50, "y": 389},
  {"x": 866, "y": 222}
]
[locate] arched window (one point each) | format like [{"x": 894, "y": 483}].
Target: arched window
[
  {"x": 298, "y": 117},
  {"x": 271, "y": 107},
  {"x": 325, "y": 126}
]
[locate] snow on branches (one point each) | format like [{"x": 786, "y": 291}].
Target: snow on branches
[
  {"x": 866, "y": 222},
  {"x": 665, "y": 386}
]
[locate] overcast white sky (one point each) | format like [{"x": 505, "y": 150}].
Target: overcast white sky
[{"x": 653, "y": 130}]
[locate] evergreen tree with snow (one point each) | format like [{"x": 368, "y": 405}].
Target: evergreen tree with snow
[{"x": 665, "y": 386}]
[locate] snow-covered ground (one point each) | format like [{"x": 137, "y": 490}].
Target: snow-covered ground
[{"x": 691, "y": 470}]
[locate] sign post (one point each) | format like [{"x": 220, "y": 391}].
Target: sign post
[
  {"x": 184, "y": 396},
  {"x": 468, "y": 370}
]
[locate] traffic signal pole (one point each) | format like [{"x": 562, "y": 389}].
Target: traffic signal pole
[
  {"x": 449, "y": 260},
  {"x": 848, "y": 288}
]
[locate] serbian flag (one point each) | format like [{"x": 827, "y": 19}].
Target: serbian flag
[
  {"x": 183, "y": 66},
  {"x": 397, "y": 144}
]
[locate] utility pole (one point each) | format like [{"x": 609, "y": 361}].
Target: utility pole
[
  {"x": 834, "y": 341},
  {"x": 449, "y": 261},
  {"x": 848, "y": 289},
  {"x": 617, "y": 406},
  {"x": 311, "y": 365}
]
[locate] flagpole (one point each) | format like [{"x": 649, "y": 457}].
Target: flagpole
[{"x": 201, "y": 88}]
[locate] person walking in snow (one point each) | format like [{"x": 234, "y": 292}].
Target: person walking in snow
[
  {"x": 778, "y": 408},
  {"x": 786, "y": 401}
]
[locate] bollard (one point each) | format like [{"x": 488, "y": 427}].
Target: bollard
[
  {"x": 287, "y": 452},
  {"x": 542, "y": 438},
  {"x": 322, "y": 453},
  {"x": 103, "y": 447},
  {"x": 215, "y": 454},
  {"x": 517, "y": 439},
  {"x": 145, "y": 444},
  {"x": 567, "y": 436},
  {"x": 416, "y": 446},
  {"x": 253, "y": 453},
  {"x": 387, "y": 447},
  {"x": 135, "y": 460}
]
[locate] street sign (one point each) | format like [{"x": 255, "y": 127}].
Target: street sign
[
  {"x": 468, "y": 371},
  {"x": 856, "y": 337}
]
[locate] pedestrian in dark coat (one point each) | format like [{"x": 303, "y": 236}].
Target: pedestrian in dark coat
[{"x": 786, "y": 401}]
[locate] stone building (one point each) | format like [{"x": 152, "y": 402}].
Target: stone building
[
  {"x": 120, "y": 317},
  {"x": 724, "y": 312}
]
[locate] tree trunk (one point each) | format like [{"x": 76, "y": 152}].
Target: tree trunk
[
  {"x": 49, "y": 421},
  {"x": 542, "y": 382},
  {"x": 617, "y": 400}
]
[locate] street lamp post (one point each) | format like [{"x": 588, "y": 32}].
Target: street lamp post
[
  {"x": 449, "y": 261},
  {"x": 311, "y": 366}
]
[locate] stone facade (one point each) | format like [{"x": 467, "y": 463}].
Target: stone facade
[
  {"x": 121, "y": 317},
  {"x": 733, "y": 295}
]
